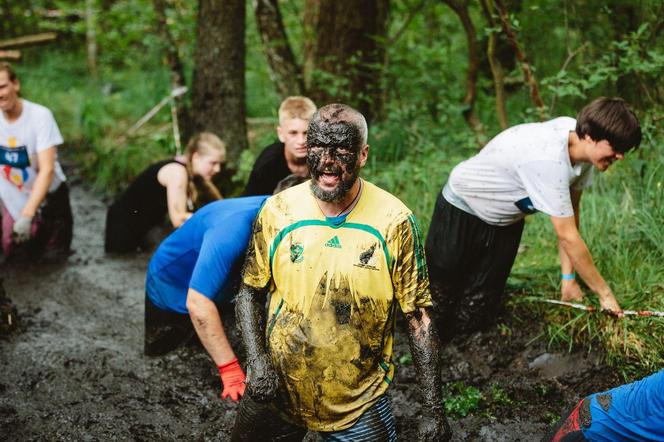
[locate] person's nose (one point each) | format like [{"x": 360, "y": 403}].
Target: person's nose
[{"x": 620, "y": 155}]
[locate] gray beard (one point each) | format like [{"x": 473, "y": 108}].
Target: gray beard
[{"x": 335, "y": 195}]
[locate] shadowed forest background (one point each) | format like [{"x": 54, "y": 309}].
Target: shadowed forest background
[{"x": 436, "y": 79}]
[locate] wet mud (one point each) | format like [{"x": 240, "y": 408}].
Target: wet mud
[{"x": 73, "y": 368}]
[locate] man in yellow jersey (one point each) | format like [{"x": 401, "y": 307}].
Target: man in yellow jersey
[{"x": 338, "y": 257}]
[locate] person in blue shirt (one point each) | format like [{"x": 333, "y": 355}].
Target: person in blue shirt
[
  {"x": 630, "y": 412},
  {"x": 193, "y": 270}
]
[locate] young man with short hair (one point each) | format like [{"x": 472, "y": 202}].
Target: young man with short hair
[
  {"x": 479, "y": 216},
  {"x": 289, "y": 154},
  {"x": 33, "y": 188}
]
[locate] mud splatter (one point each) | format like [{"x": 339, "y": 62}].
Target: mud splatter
[{"x": 604, "y": 401}]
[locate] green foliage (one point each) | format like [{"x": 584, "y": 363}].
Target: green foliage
[
  {"x": 406, "y": 359},
  {"x": 461, "y": 400}
]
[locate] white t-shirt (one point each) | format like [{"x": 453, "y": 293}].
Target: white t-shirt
[
  {"x": 524, "y": 169},
  {"x": 20, "y": 141}
]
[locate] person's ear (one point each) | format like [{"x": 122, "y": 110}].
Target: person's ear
[
  {"x": 364, "y": 155},
  {"x": 281, "y": 134}
]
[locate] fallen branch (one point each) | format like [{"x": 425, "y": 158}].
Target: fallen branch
[
  {"x": 28, "y": 40},
  {"x": 592, "y": 309},
  {"x": 11, "y": 54}
]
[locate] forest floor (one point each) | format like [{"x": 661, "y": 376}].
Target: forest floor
[{"x": 74, "y": 367}]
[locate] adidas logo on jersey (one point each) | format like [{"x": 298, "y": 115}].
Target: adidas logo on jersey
[{"x": 334, "y": 242}]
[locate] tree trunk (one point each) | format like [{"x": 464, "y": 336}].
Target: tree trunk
[
  {"x": 344, "y": 60},
  {"x": 176, "y": 68},
  {"x": 91, "y": 35},
  {"x": 285, "y": 72},
  {"x": 496, "y": 66},
  {"x": 521, "y": 56},
  {"x": 460, "y": 7},
  {"x": 218, "y": 103}
]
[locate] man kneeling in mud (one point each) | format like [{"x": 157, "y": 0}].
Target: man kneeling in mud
[
  {"x": 630, "y": 412},
  {"x": 194, "y": 269},
  {"x": 338, "y": 256},
  {"x": 479, "y": 216}
]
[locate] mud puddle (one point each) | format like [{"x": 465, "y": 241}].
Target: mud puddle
[{"x": 74, "y": 368}]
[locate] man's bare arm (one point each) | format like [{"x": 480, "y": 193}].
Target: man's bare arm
[
  {"x": 575, "y": 248},
  {"x": 425, "y": 348}
]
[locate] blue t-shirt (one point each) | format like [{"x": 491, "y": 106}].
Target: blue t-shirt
[
  {"x": 201, "y": 254},
  {"x": 631, "y": 412}
]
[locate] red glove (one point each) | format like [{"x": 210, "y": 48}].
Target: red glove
[{"x": 232, "y": 379}]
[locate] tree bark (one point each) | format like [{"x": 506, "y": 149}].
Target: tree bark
[
  {"x": 460, "y": 8},
  {"x": 521, "y": 56},
  {"x": 496, "y": 67},
  {"x": 176, "y": 68},
  {"x": 91, "y": 36},
  {"x": 218, "y": 102},
  {"x": 285, "y": 72},
  {"x": 344, "y": 60}
]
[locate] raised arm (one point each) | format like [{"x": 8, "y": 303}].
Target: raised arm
[
  {"x": 425, "y": 348},
  {"x": 262, "y": 380}
]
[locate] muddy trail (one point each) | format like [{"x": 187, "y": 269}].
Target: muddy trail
[{"x": 74, "y": 368}]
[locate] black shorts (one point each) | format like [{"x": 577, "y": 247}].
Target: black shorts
[
  {"x": 164, "y": 330},
  {"x": 469, "y": 262}
]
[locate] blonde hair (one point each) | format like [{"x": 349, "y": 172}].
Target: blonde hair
[
  {"x": 296, "y": 107},
  {"x": 201, "y": 191}
]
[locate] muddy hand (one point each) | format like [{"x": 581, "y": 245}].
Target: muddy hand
[
  {"x": 262, "y": 380},
  {"x": 609, "y": 305},
  {"x": 433, "y": 428}
]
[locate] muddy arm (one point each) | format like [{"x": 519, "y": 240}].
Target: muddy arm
[
  {"x": 262, "y": 378},
  {"x": 425, "y": 348}
]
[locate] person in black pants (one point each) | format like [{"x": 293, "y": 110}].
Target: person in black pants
[{"x": 173, "y": 187}]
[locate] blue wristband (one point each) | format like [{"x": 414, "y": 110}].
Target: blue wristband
[{"x": 568, "y": 276}]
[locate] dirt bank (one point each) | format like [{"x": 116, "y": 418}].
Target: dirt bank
[{"x": 74, "y": 369}]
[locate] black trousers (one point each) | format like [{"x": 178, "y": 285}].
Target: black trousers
[
  {"x": 469, "y": 262},
  {"x": 164, "y": 331}
]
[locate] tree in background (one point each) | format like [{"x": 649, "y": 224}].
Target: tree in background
[
  {"x": 344, "y": 52},
  {"x": 285, "y": 72},
  {"x": 218, "y": 86}
]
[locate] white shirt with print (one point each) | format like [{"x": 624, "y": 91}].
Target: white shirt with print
[
  {"x": 525, "y": 166},
  {"x": 20, "y": 142}
]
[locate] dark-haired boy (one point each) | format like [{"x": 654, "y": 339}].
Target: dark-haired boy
[{"x": 478, "y": 218}]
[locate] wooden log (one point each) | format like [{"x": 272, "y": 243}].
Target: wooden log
[
  {"x": 12, "y": 54},
  {"x": 28, "y": 40}
]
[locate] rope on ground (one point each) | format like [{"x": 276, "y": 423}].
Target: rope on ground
[{"x": 592, "y": 309}]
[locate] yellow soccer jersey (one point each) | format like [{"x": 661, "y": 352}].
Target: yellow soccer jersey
[{"x": 334, "y": 291}]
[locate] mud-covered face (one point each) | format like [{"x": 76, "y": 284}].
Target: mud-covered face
[
  {"x": 333, "y": 170},
  {"x": 333, "y": 154}
]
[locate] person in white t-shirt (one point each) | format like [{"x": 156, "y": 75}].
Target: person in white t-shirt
[
  {"x": 478, "y": 218},
  {"x": 35, "y": 198}
]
